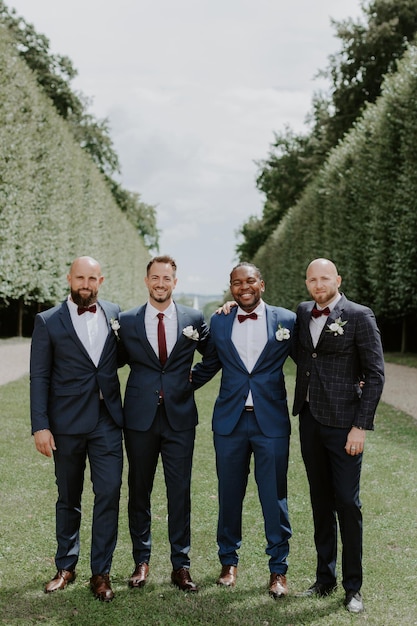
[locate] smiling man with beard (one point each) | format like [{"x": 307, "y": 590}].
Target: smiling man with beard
[
  {"x": 76, "y": 413},
  {"x": 340, "y": 377}
]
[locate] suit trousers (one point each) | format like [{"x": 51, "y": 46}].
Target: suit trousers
[
  {"x": 233, "y": 456},
  {"x": 104, "y": 450},
  {"x": 334, "y": 480},
  {"x": 176, "y": 449}
]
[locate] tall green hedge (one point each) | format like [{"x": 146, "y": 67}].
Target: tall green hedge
[
  {"x": 54, "y": 203},
  {"x": 360, "y": 211}
]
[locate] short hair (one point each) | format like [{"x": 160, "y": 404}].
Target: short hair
[
  {"x": 246, "y": 264},
  {"x": 161, "y": 259}
]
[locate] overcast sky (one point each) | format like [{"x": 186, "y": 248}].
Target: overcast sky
[{"x": 194, "y": 90}]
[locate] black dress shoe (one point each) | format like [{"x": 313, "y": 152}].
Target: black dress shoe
[
  {"x": 139, "y": 576},
  {"x": 181, "y": 578},
  {"x": 100, "y": 586},
  {"x": 61, "y": 579},
  {"x": 353, "y": 602},
  {"x": 320, "y": 590}
]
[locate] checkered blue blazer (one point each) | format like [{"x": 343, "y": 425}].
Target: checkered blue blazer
[{"x": 330, "y": 372}]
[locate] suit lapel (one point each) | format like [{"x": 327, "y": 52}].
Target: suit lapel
[
  {"x": 337, "y": 312},
  {"x": 271, "y": 328},
  {"x": 304, "y": 316},
  {"x": 69, "y": 327},
  {"x": 228, "y": 327},
  {"x": 183, "y": 320},
  {"x": 141, "y": 332},
  {"x": 338, "y": 309},
  {"x": 106, "y": 311}
]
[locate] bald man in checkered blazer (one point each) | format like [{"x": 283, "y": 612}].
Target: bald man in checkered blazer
[{"x": 337, "y": 348}]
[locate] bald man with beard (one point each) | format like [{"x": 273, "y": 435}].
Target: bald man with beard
[{"x": 337, "y": 348}]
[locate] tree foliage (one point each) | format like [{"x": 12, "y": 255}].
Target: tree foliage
[
  {"x": 370, "y": 48},
  {"x": 360, "y": 211},
  {"x": 369, "y": 51},
  {"x": 54, "y": 203},
  {"x": 54, "y": 74}
]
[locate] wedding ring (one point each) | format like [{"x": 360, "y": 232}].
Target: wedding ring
[{"x": 353, "y": 447}]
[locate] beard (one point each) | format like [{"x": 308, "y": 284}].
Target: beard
[
  {"x": 83, "y": 301},
  {"x": 160, "y": 297}
]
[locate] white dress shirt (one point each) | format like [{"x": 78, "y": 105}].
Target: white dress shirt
[
  {"x": 170, "y": 323},
  {"x": 249, "y": 338},
  {"x": 92, "y": 329},
  {"x": 317, "y": 323}
]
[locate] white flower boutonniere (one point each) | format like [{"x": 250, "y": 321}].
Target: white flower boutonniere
[
  {"x": 191, "y": 333},
  {"x": 337, "y": 327},
  {"x": 282, "y": 333},
  {"x": 115, "y": 326}
]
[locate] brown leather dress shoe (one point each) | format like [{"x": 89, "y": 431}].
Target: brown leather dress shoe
[
  {"x": 228, "y": 576},
  {"x": 278, "y": 586},
  {"x": 139, "y": 576},
  {"x": 61, "y": 579},
  {"x": 100, "y": 586},
  {"x": 181, "y": 578}
]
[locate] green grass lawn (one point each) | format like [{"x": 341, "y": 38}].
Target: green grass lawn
[{"x": 27, "y": 542}]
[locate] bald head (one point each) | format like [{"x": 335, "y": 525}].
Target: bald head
[
  {"x": 324, "y": 264},
  {"x": 84, "y": 262},
  {"x": 84, "y": 279},
  {"x": 323, "y": 281}
]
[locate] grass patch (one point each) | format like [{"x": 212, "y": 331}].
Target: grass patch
[
  {"x": 401, "y": 358},
  {"x": 27, "y": 541}
]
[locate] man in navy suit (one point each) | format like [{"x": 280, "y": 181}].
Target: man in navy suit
[
  {"x": 159, "y": 340},
  {"x": 76, "y": 412},
  {"x": 337, "y": 347},
  {"x": 251, "y": 416}
]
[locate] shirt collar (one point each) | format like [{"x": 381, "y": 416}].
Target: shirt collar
[
  {"x": 260, "y": 310},
  {"x": 169, "y": 312},
  {"x": 334, "y": 302}
]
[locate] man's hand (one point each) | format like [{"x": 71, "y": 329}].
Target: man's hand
[
  {"x": 355, "y": 441},
  {"x": 226, "y": 308},
  {"x": 44, "y": 442}
]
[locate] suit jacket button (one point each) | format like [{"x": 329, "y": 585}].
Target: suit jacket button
[
  {"x": 307, "y": 373},
  {"x": 314, "y": 355}
]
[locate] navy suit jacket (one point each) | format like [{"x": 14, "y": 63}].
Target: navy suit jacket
[
  {"x": 266, "y": 381},
  {"x": 331, "y": 371},
  {"x": 147, "y": 377},
  {"x": 64, "y": 382}
]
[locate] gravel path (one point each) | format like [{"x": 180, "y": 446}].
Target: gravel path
[
  {"x": 400, "y": 389},
  {"x": 14, "y": 359},
  {"x": 400, "y": 382}
]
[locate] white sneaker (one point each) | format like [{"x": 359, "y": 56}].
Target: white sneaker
[{"x": 354, "y": 602}]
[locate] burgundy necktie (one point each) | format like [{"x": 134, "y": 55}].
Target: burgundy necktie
[
  {"x": 84, "y": 309},
  {"x": 162, "y": 341},
  {"x": 317, "y": 312},
  {"x": 243, "y": 318}
]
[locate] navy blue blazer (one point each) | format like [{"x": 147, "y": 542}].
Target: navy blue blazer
[
  {"x": 64, "y": 382},
  {"x": 332, "y": 370},
  {"x": 147, "y": 377},
  {"x": 266, "y": 381}
]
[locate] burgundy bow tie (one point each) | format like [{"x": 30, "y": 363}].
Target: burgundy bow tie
[
  {"x": 243, "y": 318},
  {"x": 317, "y": 312},
  {"x": 84, "y": 309}
]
